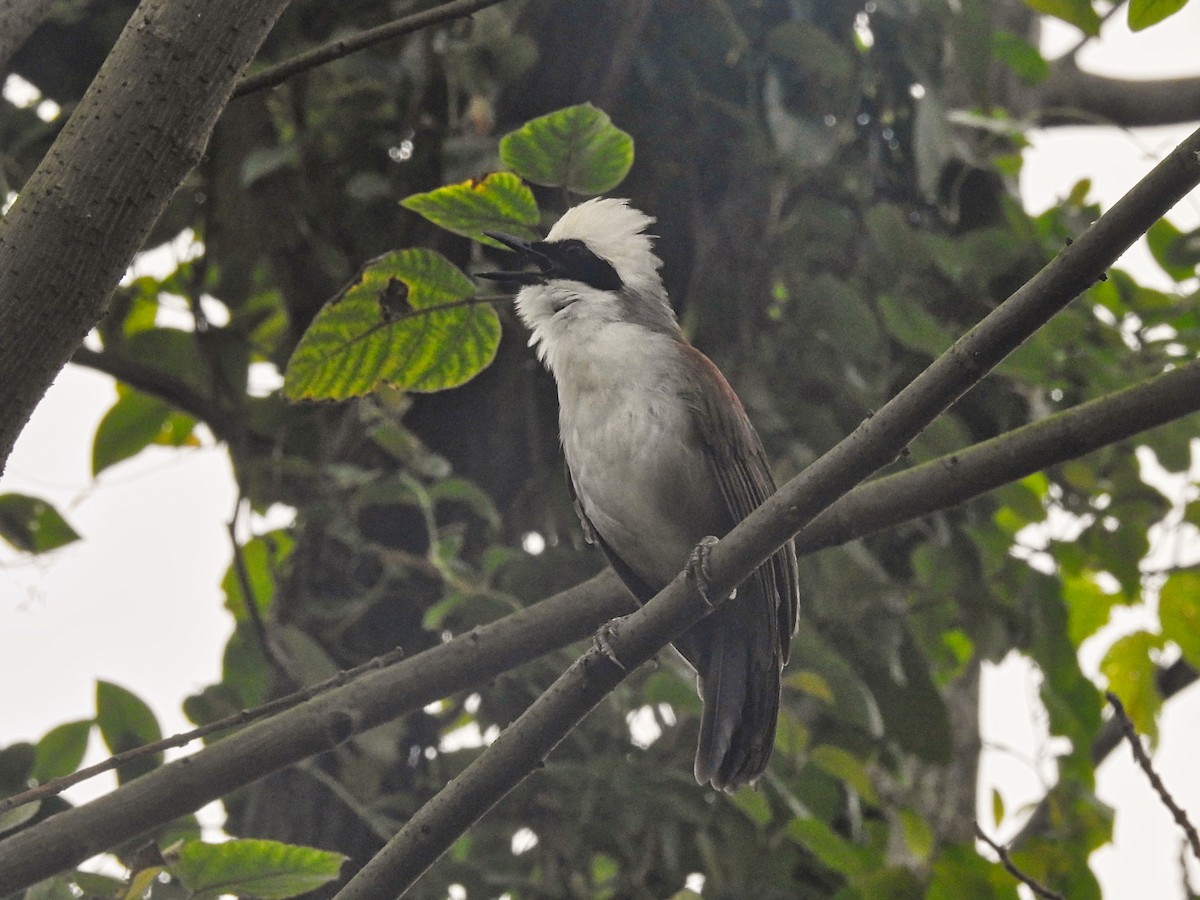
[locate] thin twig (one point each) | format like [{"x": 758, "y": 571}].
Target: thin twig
[
  {"x": 1085, "y": 39},
  {"x": 242, "y": 717},
  {"x": 1143, "y": 760},
  {"x": 318, "y": 56},
  {"x": 250, "y": 602},
  {"x": 1014, "y": 871}
]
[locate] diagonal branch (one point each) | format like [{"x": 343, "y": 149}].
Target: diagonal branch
[
  {"x": 1038, "y": 889},
  {"x": 183, "y": 786},
  {"x": 1143, "y": 760},
  {"x": 935, "y": 485},
  {"x": 326, "y": 53},
  {"x": 875, "y": 443}
]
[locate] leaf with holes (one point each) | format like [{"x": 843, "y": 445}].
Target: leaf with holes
[
  {"x": 497, "y": 202},
  {"x": 407, "y": 321},
  {"x": 578, "y": 148}
]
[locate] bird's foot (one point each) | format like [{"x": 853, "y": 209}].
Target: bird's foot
[
  {"x": 602, "y": 641},
  {"x": 697, "y": 568}
]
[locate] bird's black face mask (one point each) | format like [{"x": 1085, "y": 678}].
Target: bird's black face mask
[{"x": 571, "y": 259}]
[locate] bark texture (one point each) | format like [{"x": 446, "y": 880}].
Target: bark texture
[{"x": 139, "y": 130}]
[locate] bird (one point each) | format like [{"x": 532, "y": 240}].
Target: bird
[{"x": 661, "y": 457}]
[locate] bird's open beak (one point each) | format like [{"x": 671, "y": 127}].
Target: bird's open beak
[{"x": 527, "y": 250}]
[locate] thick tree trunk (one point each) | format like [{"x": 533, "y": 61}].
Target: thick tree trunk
[{"x": 140, "y": 128}]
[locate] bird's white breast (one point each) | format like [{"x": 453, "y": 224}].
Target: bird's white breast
[{"x": 639, "y": 470}]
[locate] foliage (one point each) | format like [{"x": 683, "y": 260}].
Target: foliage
[{"x": 827, "y": 229}]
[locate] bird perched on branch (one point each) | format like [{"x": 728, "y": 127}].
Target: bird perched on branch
[{"x": 660, "y": 455}]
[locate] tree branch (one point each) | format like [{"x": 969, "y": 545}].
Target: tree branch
[
  {"x": 1071, "y": 96},
  {"x": 950, "y": 480},
  {"x": 1143, "y": 761},
  {"x": 319, "y": 56},
  {"x": 875, "y": 443},
  {"x": 157, "y": 383},
  {"x": 1011, "y": 867},
  {"x": 18, "y": 20},
  {"x": 139, "y": 129},
  {"x": 935, "y": 485},
  {"x": 237, "y": 720},
  {"x": 183, "y": 786}
]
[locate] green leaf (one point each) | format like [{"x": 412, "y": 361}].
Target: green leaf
[
  {"x": 255, "y": 868},
  {"x": 1169, "y": 247},
  {"x": 577, "y": 148},
  {"x": 754, "y": 804},
  {"x": 1144, "y": 13},
  {"x": 57, "y": 888},
  {"x": 263, "y": 557},
  {"x": 1088, "y": 606},
  {"x": 844, "y": 766},
  {"x": 918, "y": 836},
  {"x": 1020, "y": 56},
  {"x": 997, "y": 807},
  {"x": 126, "y": 722},
  {"x": 496, "y": 202},
  {"x": 831, "y": 848},
  {"x": 19, "y": 815},
  {"x": 61, "y": 750},
  {"x": 1179, "y": 613},
  {"x": 913, "y": 327},
  {"x": 1076, "y": 12},
  {"x": 403, "y": 322},
  {"x": 135, "y": 422},
  {"x": 1130, "y": 671},
  {"x": 33, "y": 525}
]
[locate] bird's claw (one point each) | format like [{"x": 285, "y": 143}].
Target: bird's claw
[
  {"x": 601, "y": 641},
  {"x": 697, "y": 567}
]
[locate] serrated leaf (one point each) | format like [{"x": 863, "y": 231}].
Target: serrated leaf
[
  {"x": 256, "y": 868},
  {"x": 1075, "y": 12},
  {"x": 421, "y": 337},
  {"x": 497, "y": 202},
  {"x": 1179, "y": 613},
  {"x": 577, "y": 148},
  {"x": 125, "y": 722},
  {"x": 1131, "y": 672},
  {"x": 61, "y": 750},
  {"x": 1144, "y": 13},
  {"x": 135, "y": 422},
  {"x": 33, "y": 525}
]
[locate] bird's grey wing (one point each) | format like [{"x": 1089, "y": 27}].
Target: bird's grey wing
[
  {"x": 636, "y": 585},
  {"x": 739, "y": 465},
  {"x": 742, "y": 647}
]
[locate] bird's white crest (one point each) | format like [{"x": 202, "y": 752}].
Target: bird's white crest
[
  {"x": 562, "y": 327},
  {"x": 616, "y": 232}
]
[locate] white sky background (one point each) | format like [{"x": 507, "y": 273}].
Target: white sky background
[{"x": 137, "y": 602}]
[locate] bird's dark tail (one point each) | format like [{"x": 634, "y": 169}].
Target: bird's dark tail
[{"x": 739, "y": 669}]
